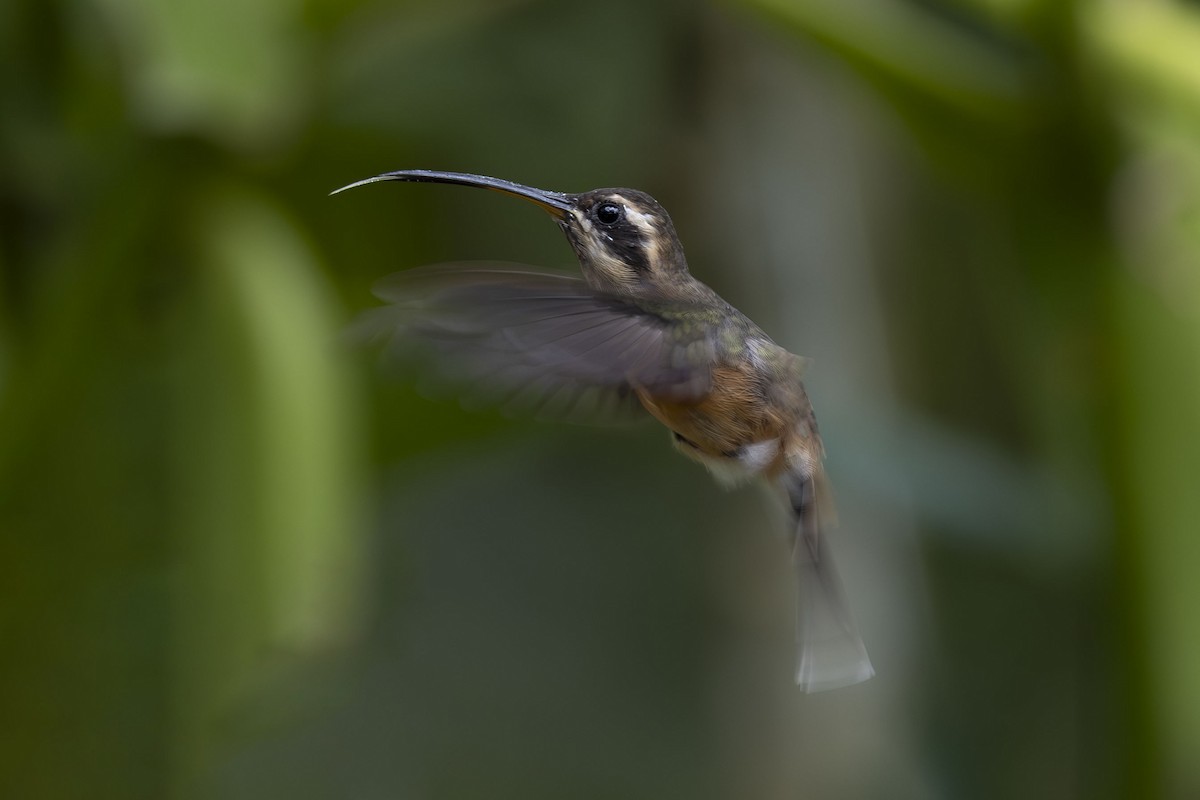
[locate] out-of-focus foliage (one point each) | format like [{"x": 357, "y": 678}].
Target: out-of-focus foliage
[{"x": 236, "y": 561}]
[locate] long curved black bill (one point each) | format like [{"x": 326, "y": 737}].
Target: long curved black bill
[{"x": 556, "y": 203}]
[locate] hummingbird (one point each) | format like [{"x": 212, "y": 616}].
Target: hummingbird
[{"x": 637, "y": 331}]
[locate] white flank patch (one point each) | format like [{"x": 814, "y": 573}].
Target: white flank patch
[
  {"x": 758, "y": 456},
  {"x": 749, "y": 462}
]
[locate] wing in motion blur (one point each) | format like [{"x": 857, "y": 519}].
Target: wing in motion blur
[{"x": 529, "y": 339}]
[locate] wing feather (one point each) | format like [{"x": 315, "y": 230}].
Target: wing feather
[{"x": 526, "y": 339}]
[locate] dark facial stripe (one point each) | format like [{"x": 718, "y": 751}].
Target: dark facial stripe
[{"x": 626, "y": 243}]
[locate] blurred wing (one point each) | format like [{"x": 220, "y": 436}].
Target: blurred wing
[
  {"x": 532, "y": 340},
  {"x": 831, "y": 651}
]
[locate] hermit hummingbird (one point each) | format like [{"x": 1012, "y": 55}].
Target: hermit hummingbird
[{"x": 638, "y": 330}]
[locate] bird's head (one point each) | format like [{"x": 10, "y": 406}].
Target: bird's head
[{"x": 625, "y": 241}]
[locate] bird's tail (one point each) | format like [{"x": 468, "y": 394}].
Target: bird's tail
[{"x": 830, "y": 651}]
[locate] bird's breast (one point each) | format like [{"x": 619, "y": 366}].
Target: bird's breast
[{"x": 735, "y": 423}]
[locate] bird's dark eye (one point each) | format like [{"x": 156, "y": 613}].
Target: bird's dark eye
[{"x": 608, "y": 213}]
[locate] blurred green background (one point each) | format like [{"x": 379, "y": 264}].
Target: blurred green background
[{"x": 236, "y": 561}]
